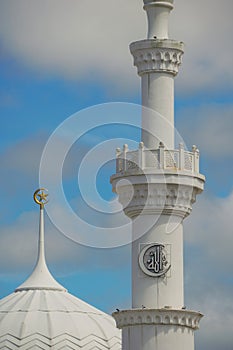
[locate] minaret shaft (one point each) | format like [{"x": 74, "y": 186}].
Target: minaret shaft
[
  {"x": 158, "y": 85},
  {"x": 162, "y": 184},
  {"x": 167, "y": 291},
  {"x": 158, "y": 18},
  {"x": 158, "y": 95}
]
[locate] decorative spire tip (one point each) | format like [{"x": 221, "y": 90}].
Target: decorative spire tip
[{"x": 40, "y": 197}]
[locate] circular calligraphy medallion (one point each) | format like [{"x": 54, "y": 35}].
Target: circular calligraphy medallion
[{"x": 153, "y": 260}]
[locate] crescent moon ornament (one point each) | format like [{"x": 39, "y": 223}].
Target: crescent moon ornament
[{"x": 40, "y": 197}]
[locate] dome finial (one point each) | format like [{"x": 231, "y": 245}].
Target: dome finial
[
  {"x": 42, "y": 197},
  {"x": 41, "y": 278}
]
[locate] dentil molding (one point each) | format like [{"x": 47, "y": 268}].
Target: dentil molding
[
  {"x": 165, "y": 317},
  {"x": 170, "y": 199},
  {"x": 157, "y": 55}
]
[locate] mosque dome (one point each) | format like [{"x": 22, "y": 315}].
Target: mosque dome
[{"x": 41, "y": 314}]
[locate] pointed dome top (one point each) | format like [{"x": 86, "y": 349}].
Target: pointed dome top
[
  {"x": 41, "y": 278},
  {"x": 42, "y": 314}
]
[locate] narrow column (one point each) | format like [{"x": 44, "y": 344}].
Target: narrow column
[
  {"x": 157, "y": 60},
  {"x": 165, "y": 183}
]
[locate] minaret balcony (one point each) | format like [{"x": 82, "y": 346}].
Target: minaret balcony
[
  {"x": 144, "y": 160},
  {"x": 157, "y": 55},
  {"x": 155, "y": 181}
]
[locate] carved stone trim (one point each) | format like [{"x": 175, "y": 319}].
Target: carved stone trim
[
  {"x": 157, "y": 56},
  {"x": 166, "y": 317},
  {"x": 168, "y": 199}
]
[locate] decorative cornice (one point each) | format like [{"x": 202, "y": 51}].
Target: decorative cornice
[
  {"x": 156, "y": 199},
  {"x": 165, "y": 317},
  {"x": 157, "y": 55}
]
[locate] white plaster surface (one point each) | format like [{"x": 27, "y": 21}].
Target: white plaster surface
[{"x": 163, "y": 291}]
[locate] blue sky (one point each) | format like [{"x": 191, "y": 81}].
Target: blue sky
[{"x": 60, "y": 57}]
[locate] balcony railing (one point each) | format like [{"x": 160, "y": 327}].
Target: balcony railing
[{"x": 161, "y": 158}]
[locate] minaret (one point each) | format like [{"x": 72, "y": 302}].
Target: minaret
[{"x": 157, "y": 186}]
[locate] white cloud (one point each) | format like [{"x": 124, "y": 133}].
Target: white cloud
[
  {"x": 208, "y": 270},
  {"x": 20, "y": 162},
  {"x": 19, "y": 173},
  {"x": 210, "y": 127},
  {"x": 89, "y": 40},
  {"x": 205, "y": 27},
  {"x": 24, "y": 156},
  {"x": 76, "y": 39},
  {"x": 216, "y": 327},
  {"x": 210, "y": 229}
]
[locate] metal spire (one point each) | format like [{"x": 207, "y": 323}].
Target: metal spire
[{"x": 41, "y": 278}]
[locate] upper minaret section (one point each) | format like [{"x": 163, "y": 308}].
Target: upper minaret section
[
  {"x": 158, "y": 17},
  {"x": 157, "y": 59}
]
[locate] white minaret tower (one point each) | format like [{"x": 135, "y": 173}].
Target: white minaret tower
[{"x": 157, "y": 186}]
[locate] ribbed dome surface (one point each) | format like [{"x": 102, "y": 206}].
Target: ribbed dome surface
[{"x": 44, "y": 319}]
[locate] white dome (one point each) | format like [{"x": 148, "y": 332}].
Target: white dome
[
  {"x": 41, "y": 314},
  {"x": 48, "y": 319}
]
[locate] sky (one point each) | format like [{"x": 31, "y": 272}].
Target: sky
[{"x": 60, "y": 58}]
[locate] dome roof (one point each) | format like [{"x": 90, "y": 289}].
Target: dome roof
[
  {"x": 41, "y": 314},
  {"x": 48, "y": 319}
]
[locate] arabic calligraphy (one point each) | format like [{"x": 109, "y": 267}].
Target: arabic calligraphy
[{"x": 153, "y": 260}]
